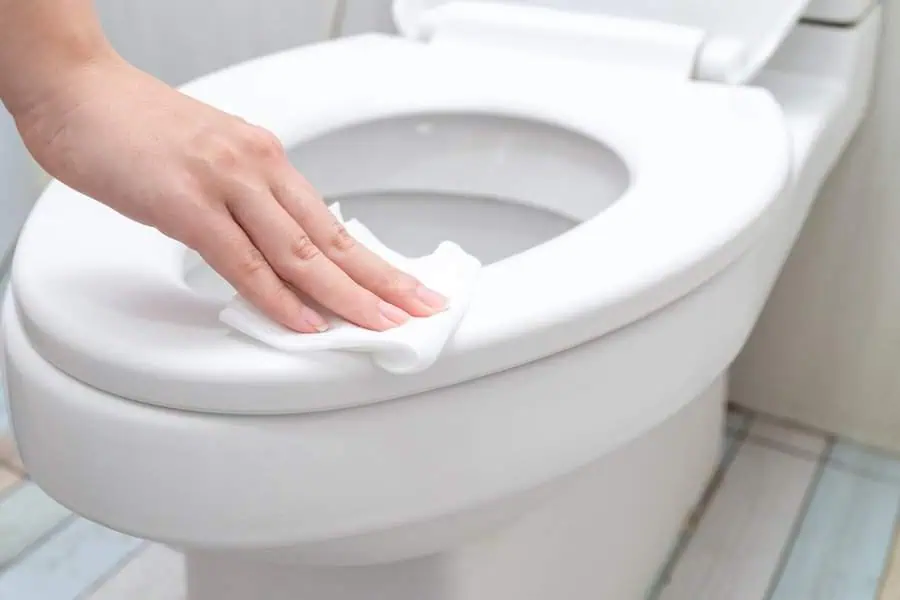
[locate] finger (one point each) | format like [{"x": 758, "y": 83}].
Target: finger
[
  {"x": 297, "y": 260},
  {"x": 365, "y": 267},
  {"x": 228, "y": 250}
]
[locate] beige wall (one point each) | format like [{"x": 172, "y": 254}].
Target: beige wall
[
  {"x": 827, "y": 349},
  {"x": 178, "y": 40}
]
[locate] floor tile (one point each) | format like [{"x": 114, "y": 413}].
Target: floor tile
[
  {"x": 729, "y": 449},
  {"x": 841, "y": 549},
  {"x": 157, "y": 573},
  {"x": 26, "y": 516},
  {"x": 68, "y": 564},
  {"x": 866, "y": 461},
  {"x": 891, "y": 580},
  {"x": 8, "y": 480},
  {"x": 738, "y": 542},
  {"x": 787, "y": 437}
]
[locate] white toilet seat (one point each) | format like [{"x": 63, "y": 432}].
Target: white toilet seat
[{"x": 130, "y": 326}]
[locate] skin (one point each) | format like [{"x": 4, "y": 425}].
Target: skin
[{"x": 210, "y": 180}]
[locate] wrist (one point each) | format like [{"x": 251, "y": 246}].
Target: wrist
[
  {"x": 44, "y": 46},
  {"x": 55, "y": 74}
]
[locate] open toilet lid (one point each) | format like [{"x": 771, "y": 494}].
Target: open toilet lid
[{"x": 739, "y": 36}]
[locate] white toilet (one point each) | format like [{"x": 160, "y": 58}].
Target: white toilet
[{"x": 635, "y": 172}]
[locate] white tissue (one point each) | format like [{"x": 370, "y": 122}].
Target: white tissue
[{"x": 409, "y": 348}]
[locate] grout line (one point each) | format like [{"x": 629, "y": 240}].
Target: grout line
[
  {"x": 33, "y": 546},
  {"x": 665, "y": 573},
  {"x": 795, "y": 425},
  {"x": 9, "y": 491},
  {"x": 693, "y": 519},
  {"x": 832, "y": 439},
  {"x": 113, "y": 571},
  {"x": 788, "y": 548},
  {"x": 865, "y": 474},
  {"x": 889, "y": 557},
  {"x": 786, "y": 448},
  {"x": 874, "y": 450}
]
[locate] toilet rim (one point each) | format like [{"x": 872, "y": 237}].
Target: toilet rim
[{"x": 200, "y": 366}]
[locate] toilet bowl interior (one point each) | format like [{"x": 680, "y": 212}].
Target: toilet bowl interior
[{"x": 496, "y": 185}]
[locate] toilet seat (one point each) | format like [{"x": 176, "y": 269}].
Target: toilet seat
[{"x": 130, "y": 326}]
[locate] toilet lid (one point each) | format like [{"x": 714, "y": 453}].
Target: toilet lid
[
  {"x": 739, "y": 36},
  {"x": 107, "y": 301}
]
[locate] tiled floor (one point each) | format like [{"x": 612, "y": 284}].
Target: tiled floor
[
  {"x": 795, "y": 516},
  {"x": 792, "y": 515}
]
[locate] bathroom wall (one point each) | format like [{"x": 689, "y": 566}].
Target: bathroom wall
[
  {"x": 177, "y": 40},
  {"x": 826, "y": 351}
]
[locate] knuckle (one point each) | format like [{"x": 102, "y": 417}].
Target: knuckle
[
  {"x": 222, "y": 156},
  {"x": 341, "y": 240},
  {"x": 299, "y": 208},
  {"x": 300, "y": 195},
  {"x": 212, "y": 150},
  {"x": 251, "y": 264},
  {"x": 303, "y": 249},
  {"x": 263, "y": 143}
]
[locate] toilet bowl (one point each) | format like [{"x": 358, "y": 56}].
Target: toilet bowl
[{"x": 633, "y": 195}]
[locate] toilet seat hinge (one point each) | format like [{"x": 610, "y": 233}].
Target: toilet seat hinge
[{"x": 638, "y": 46}]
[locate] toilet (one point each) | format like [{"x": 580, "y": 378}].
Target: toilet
[{"x": 633, "y": 175}]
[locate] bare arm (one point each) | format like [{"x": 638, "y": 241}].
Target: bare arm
[
  {"x": 43, "y": 44},
  {"x": 209, "y": 179}
]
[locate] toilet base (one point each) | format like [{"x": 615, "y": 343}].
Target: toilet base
[{"x": 607, "y": 529}]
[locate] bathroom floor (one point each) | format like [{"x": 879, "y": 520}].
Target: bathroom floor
[{"x": 791, "y": 515}]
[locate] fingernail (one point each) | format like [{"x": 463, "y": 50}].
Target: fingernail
[
  {"x": 431, "y": 298},
  {"x": 393, "y": 315},
  {"x": 316, "y": 321}
]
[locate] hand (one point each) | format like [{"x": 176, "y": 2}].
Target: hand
[{"x": 220, "y": 186}]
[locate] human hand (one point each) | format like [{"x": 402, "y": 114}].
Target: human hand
[{"x": 222, "y": 187}]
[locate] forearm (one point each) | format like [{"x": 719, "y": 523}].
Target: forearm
[{"x": 43, "y": 43}]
